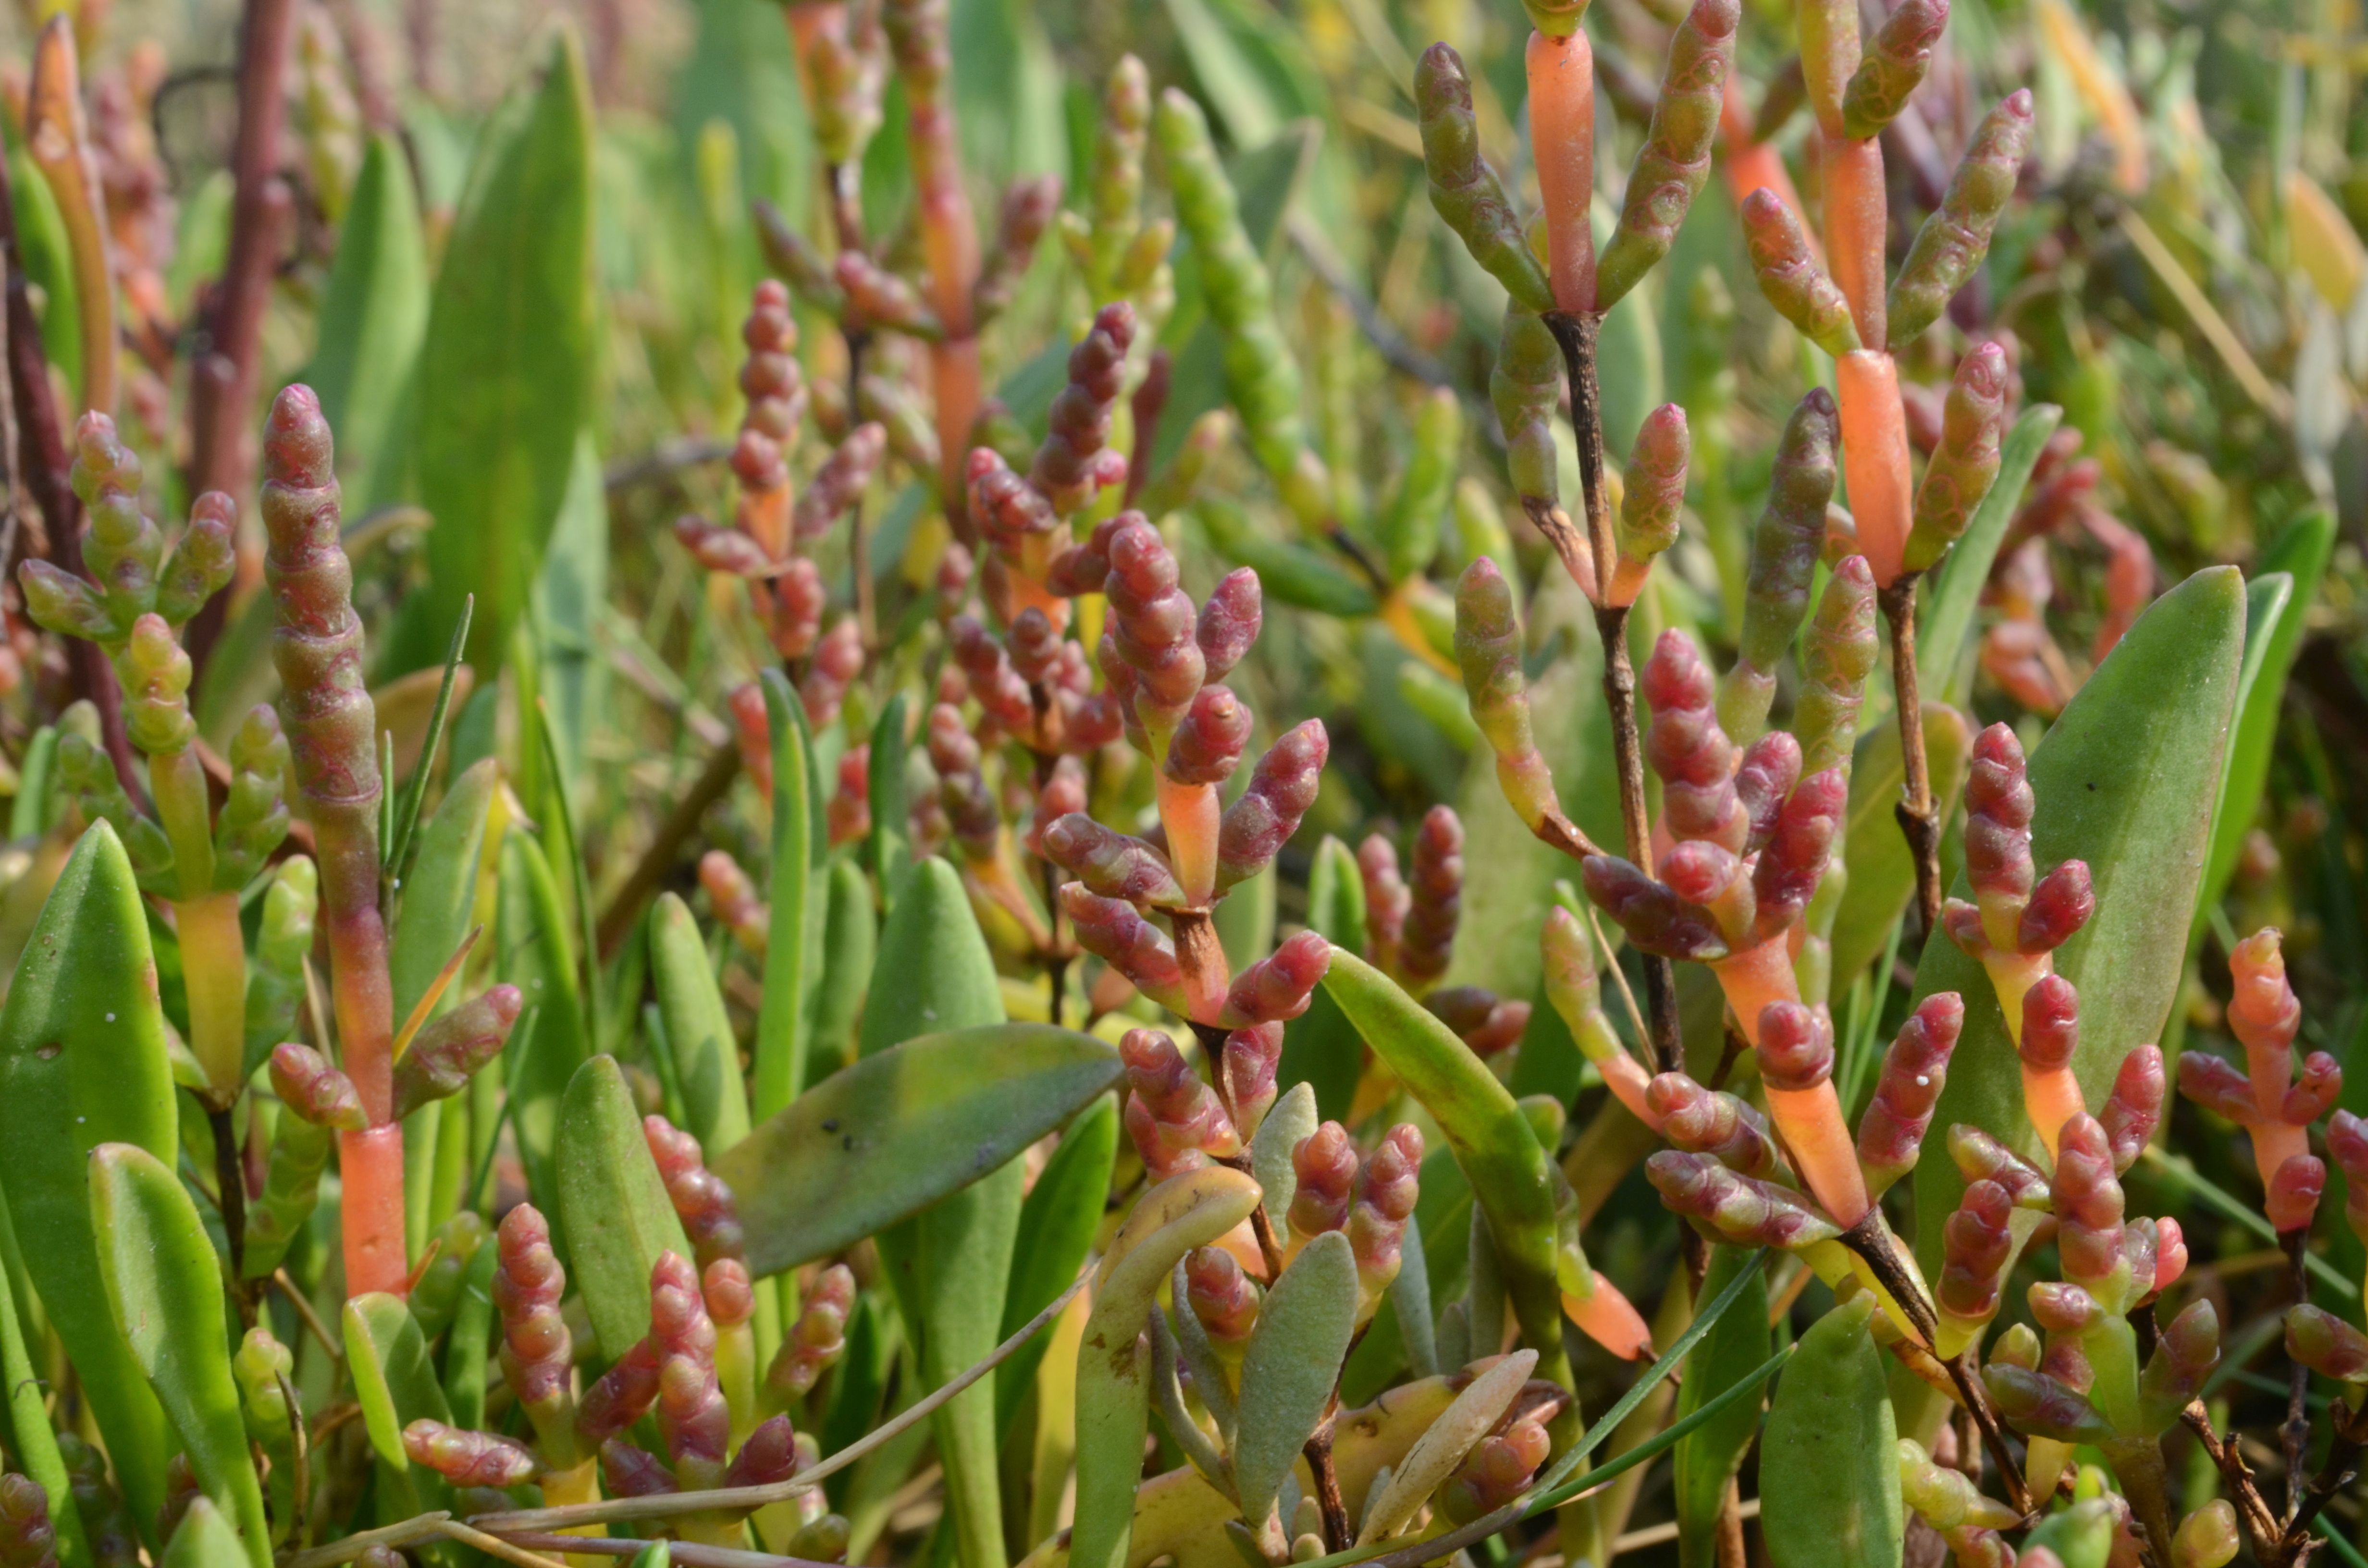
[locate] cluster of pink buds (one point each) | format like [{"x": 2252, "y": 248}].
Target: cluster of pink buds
[
  {"x": 2268, "y": 1100},
  {"x": 1369, "y": 1197}
]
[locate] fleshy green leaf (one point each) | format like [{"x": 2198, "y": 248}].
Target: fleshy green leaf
[
  {"x": 395, "y": 1385},
  {"x": 1442, "y": 1447},
  {"x": 1057, "y": 1226},
  {"x": 1290, "y": 1121},
  {"x": 2125, "y": 780},
  {"x": 442, "y": 891},
  {"x": 373, "y": 313},
  {"x": 1292, "y": 1360},
  {"x": 83, "y": 1063},
  {"x": 891, "y": 824},
  {"x": 698, "y": 1030},
  {"x": 26, "y": 1420},
  {"x": 780, "y": 1044},
  {"x": 851, "y": 943},
  {"x": 1319, "y": 1047},
  {"x": 613, "y": 1205},
  {"x": 535, "y": 954},
  {"x": 203, "y": 1538},
  {"x": 165, "y": 1292},
  {"x": 506, "y": 368},
  {"x": 1829, "y": 1461}
]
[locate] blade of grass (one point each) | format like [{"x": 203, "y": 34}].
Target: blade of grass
[
  {"x": 407, "y": 813},
  {"x": 588, "y": 935}
]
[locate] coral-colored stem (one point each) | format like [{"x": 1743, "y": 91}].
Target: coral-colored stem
[
  {"x": 2011, "y": 975},
  {"x": 954, "y": 374},
  {"x": 1755, "y": 165},
  {"x": 1875, "y": 457},
  {"x": 1856, "y": 212},
  {"x": 1562, "y": 139},
  {"x": 1754, "y": 978},
  {"x": 1811, "y": 1120},
  {"x": 2051, "y": 1098},
  {"x": 2275, "y": 1142},
  {"x": 1192, "y": 813},
  {"x": 1610, "y": 1319},
  {"x": 370, "y": 1212}
]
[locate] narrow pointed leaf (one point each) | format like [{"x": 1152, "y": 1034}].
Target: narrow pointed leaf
[
  {"x": 698, "y": 1030},
  {"x": 1289, "y": 1368},
  {"x": 537, "y": 955},
  {"x": 781, "y": 1043},
  {"x": 613, "y": 1207},
  {"x": 1705, "y": 1460}
]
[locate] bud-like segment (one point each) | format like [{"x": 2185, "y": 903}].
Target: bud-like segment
[
  {"x": 816, "y": 1340},
  {"x": 2050, "y": 1035},
  {"x": 537, "y": 1354},
  {"x": 112, "y": 1544},
  {"x": 769, "y": 1456},
  {"x": 2088, "y": 1210},
  {"x": 1386, "y": 1188},
  {"x": 1976, "y": 1246},
  {"x": 792, "y": 256},
  {"x": 253, "y": 818},
  {"x": 468, "y": 1459},
  {"x": 1481, "y": 1019},
  {"x": 848, "y": 815},
  {"x": 710, "y": 1215},
  {"x": 841, "y": 482},
  {"x": 1325, "y": 1164},
  {"x": 1784, "y": 549},
  {"x": 2327, "y": 1344},
  {"x": 844, "y": 61},
  {"x": 1283, "y": 786},
  {"x": 693, "y": 1419},
  {"x": 1915, "y": 1068},
  {"x": 1694, "y": 758},
  {"x": 1653, "y": 497},
  {"x": 735, "y": 899},
  {"x": 2346, "y": 1141},
  {"x": 1947, "y": 1498},
  {"x": 1789, "y": 278},
  {"x": 1230, "y": 618},
  {"x": 1793, "y": 859},
  {"x": 1246, "y": 1070},
  {"x": 1675, "y": 161},
  {"x": 987, "y": 668},
  {"x": 1176, "y": 1121},
  {"x": 1980, "y": 1158},
  {"x": 1224, "y": 1298},
  {"x": 1262, "y": 378},
  {"x": 1465, "y": 191},
  {"x": 630, "y": 1471},
  {"x": 1525, "y": 385},
  {"x": 2264, "y": 1015},
  {"x": 1279, "y": 986},
  {"x": 1495, "y": 1472},
  {"x": 1489, "y": 647},
  {"x": 1735, "y": 1208},
  {"x": 156, "y": 675},
  {"x": 1387, "y": 900},
  {"x": 1436, "y": 898},
  {"x": 1112, "y": 865},
  {"x": 1113, "y": 932},
  {"x": 1966, "y": 462},
  {"x": 449, "y": 1051},
  {"x": 1797, "y": 1066},
  {"x": 1576, "y": 994},
  {"x": 2295, "y": 1189},
  {"x": 1208, "y": 744},
  {"x": 884, "y": 299},
  {"x": 961, "y": 789},
  {"x": 313, "y": 1090},
  {"x": 1008, "y": 509},
  {"x": 1838, "y": 654},
  {"x": 203, "y": 563},
  {"x": 28, "y": 1540},
  {"x": 123, "y": 550},
  {"x": 1153, "y": 626},
  {"x": 2185, "y": 1353},
  {"x": 1955, "y": 238},
  {"x": 2038, "y": 1405},
  {"x": 1028, "y": 204},
  {"x": 1650, "y": 911},
  {"x": 1075, "y": 460},
  {"x": 1893, "y": 67},
  {"x": 259, "y": 1365},
  {"x": 1703, "y": 1121},
  {"x": 837, "y": 660},
  {"x": 2207, "y": 1537},
  {"x": 623, "y": 1394}
]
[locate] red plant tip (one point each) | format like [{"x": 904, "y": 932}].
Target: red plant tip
[
  {"x": 2059, "y": 905},
  {"x": 797, "y": 609},
  {"x": 1326, "y": 1163},
  {"x": 1230, "y": 618},
  {"x": 1036, "y": 646},
  {"x": 989, "y": 675},
  {"x": 1387, "y": 898},
  {"x": 2263, "y": 1012},
  {"x": 2293, "y": 1193},
  {"x": 1653, "y": 915},
  {"x": 1699, "y": 871},
  {"x": 2061, "y": 1310},
  {"x": 1245, "y": 1069},
  {"x": 2134, "y": 1109},
  {"x": 678, "y": 1320},
  {"x": 692, "y": 1416},
  {"x": 1479, "y": 1017},
  {"x": 2314, "y": 1093},
  {"x": 2051, "y": 1024},
  {"x": 1915, "y": 1070},
  {"x": 1113, "y": 932},
  {"x": 314, "y": 1091},
  {"x": 1437, "y": 896},
  {"x": 1792, "y": 861},
  {"x": 1495, "y": 1472},
  {"x": 1764, "y": 781},
  {"x": 297, "y": 451},
  {"x": 2038, "y": 1405},
  {"x": 1075, "y": 460},
  {"x": 1112, "y": 865},
  {"x": 1975, "y": 1246},
  {"x": 1734, "y": 1208},
  {"x": 1387, "y": 1190},
  {"x": 1176, "y": 1121},
  {"x": 1282, "y": 787},
  {"x": 2089, "y": 1202},
  {"x": 2347, "y": 1140},
  {"x": 1687, "y": 748},
  {"x": 631, "y": 1472},
  {"x": 2218, "y": 1087},
  {"x": 705, "y": 1205},
  {"x": 1152, "y": 621},
  {"x": 817, "y": 1340},
  {"x": 769, "y": 1455},
  {"x": 1279, "y": 986},
  {"x": 27, "y": 1538},
  {"x": 1221, "y": 1295},
  {"x": 1703, "y": 1121},
  {"x": 1208, "y": 742},
  {"x": 468, "y": 1459},
  {"x": 1997, "y": 818},
  {"x": 731, "y": 1299},
  {"x": 2327, "y": 1344},
  {"x": 1005, "y": 506},
  {"x": 1796, "y": 1046},
  {"x": 2185, "y": 1353}
]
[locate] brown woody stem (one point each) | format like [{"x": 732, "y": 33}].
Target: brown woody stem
[
  {"x": 680, "y": 824},
  {"x": 1919, "y": 818}
]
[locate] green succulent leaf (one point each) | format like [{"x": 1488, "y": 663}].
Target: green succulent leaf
[
  {"x": 613, "y": 1205},
  {"x": 440, "y": 893},
  {"x": 1057, "y": 1226},
  {"x": 396, "y": 1384},
  {"x": 83, "y": 1063},
  {"x": 373, "y": 313},
  {"x": 204, "y": 1538},
  {"x": 536, "y": 954},
  {"x": 1289, "y": 1367},
  {"x": 1829, "y": 1461},
  {"x": 780, "y": 1044},
  {"x": 165, "y": 1292},
  {"x": 25, "y": 1420},
  {"x": 698, "y": 1030}
]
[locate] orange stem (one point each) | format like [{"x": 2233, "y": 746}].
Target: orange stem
[
  {"x": 1191, "y": 814},
  {"x": 1562, "y": 140},
  {"x": 1610, "y": 1319},
  {"x": 369, "y": 1164},
  {"x": 1754, "y": 978},
  {"x": 1875, "y": 458},
  {"x": 1811, "y": 1121},
  {"x": 2275, "y": 1142},
  {"x": 2051, "y": 1098},
  {"x": 1856, "y": 214},
  {"x": 1755, "y": 165}
]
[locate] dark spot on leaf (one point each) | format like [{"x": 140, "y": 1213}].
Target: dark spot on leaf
[
  {"x": 847, "y": 1142},
  {"x": 831, "y": 1126},
  {"x": 50, "y": 1051},
  {"x": 2092, "y": 784}
]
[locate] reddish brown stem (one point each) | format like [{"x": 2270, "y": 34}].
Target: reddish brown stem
[
  {"x": 1919, "y": 817},
  {"x": 221, "y": 378}
]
